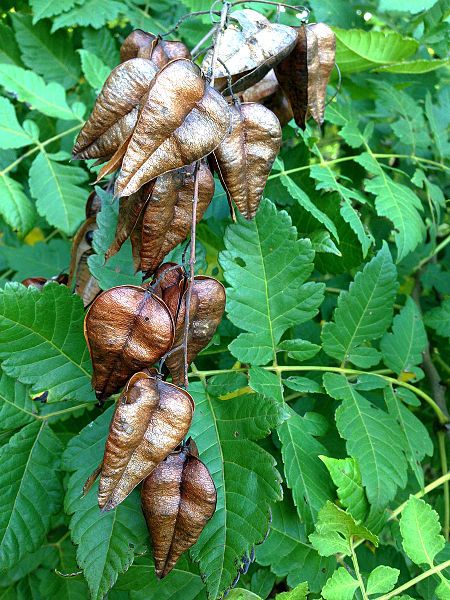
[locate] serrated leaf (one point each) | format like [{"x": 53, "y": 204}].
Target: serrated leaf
[
  {"x": 266, "y": 383},
  {"x": 305, "y": 474},
  {"x": 382, "y": 580},
  {"x": 266, "y": 267},
  {"x": 49, "y": 353},
  {"x": 106, "y": 541},
  {"x": 303, "y": 384},
  {"x": 9, "y": 50},
  {"x": 340, "y": 586},
  {"x": 40, "y": 260},
  {"x": 438, "y": 119},
  {"x": 321, "y": 242},
  {"x": 414, "y": 66},
  {"x": 363, "y": 313},
  {"x": 56, "y": 187},
  {"x": 299, "y": 349},
  {"x": 15, "y": 207},
  {"x": 49, "y": 55},
  {"x": 56, "y": 585},
  {"x": 16, "y": 406},
  {"x": 242, "y": 594},
  {"x": 94, "y": 69},
  {"x": 439, "y": 318},
  {"x": 373, "y": 438},
  {"x": 420, "y": 529},
  {"x": 402, "y": 349},
  {"x": 346, "y": 477},
  {"x": 246, "y": 480},
  {"x": 12, "y": 134},
  {"x": 32, "y": 489},
  {"x": 88, "y": 12},
  {"x": 300, "y": 592},
  {"x": 49, "y": 99},
  {"x": 101, "y": 43},
  {"x": 49, "y": 8}
]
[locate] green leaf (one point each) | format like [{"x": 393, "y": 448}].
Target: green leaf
[
  {"x": 266, "y": 267},
  {"x": 438, "y": 120},
  {"x": 359, "y": 50},
  {"x": 9, "y": 50},
  {"x": 94, "y": 69},
  {"x": 15, "y": 207},
  {"x": 49, "y": 55},
  {"x": 411, "y": 6},
  {"x": 420, "y": 529},
  {"x": 49, "y": 8},
  {"x": 303, "y": 384},
  {"x": 49, "y": 353},
  {"x": 288, "y": 552},
  {"x": 56, "y": 187},
  {"x": 31, "y": 490},
  {"x": 382, "y": 580},
  {"x": 373, "y": 438},
  {"x": 346, "y": 477},
  {"x": 12, "y": 134},
  {"x": 415, "y": 66},
  {"x": 49, "y": 99},
  {"x": 101, "y": 43},
  {"x": 299, "y": 349},
  {"x": 340, "y": 586},
  {"x": 335, "y": 530},
  {"x": 16, "y": 406},
  {"x": 439, "y": 318},
  {"x": 300, "y": 592},
  {"x": 305, "y": 474},
  {"x": 53, "y": 585},
  {"x": 246, "y": 480},
  {"x": 89, "y": 12},
  {"x": 242, "y": 594},
  {"x": 266, "y": 383},
  {"x": 363, "y": 313},
  {"x": 40, "y": 260},
  {"x": 106, "y": 541},
  {"x": 321, "y": 242}
]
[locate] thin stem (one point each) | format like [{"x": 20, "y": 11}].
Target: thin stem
[
  {"x": 218, "y": 36},
  {"x": 357, "y": 571},
  {"x": 433, "y": 571},
  {"x": 426, "y": 490},
  {"x": 202, "y": 41},
  {"x": 436, "y": 251},
  {"x": 444, "y": 467},
  {"x": 64, "y": 411}
]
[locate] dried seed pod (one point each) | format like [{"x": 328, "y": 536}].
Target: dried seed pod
[
  {"x": 146, "y": 45},
  {"x": 249, "y": 48},
  {"x": 127, "y": 328},
  {"x": 37, "y": 282},
  {"x": 280, "y": 106},
  {"x": 245, "y": 157},
  {"x": 151, "y": 419},
  {"x": 178, "y": 499},
  {"x": 93, "y": 205},
  {"x": 170, "y": 284},
  {"x": 262, "y": 89},
  {"x": 116, "y": 109},
  {"x": 80, "y": 278},
  {"x": 305, "y": 73},
  {"x": 187, "y": 118}
]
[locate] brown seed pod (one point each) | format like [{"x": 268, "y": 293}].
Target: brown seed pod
[
  {"x": 37, "y": 282},
  {"x": 116, "y": 109},
  {"x": 249, "y": 49},
  {"x": 245, "y": 157},
  {"x": 146, "y": 45},
  {"x": 127, "y": 328},
  {"x": 187, "y": 118},
  {"x": 178, "y": 499},
  {"x": 279, "y": 105},
  {"x": 80, "y": 278},
  {"x": 151, "y": 419},
  {"x": 170, "y": 284},
  {"x": 93, "y": 205},
  {"x": 261, "y": 90}
]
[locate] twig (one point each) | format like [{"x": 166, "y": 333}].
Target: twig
[
  {"x": 433, "y": 571},
  {"x": 202, "y": 41},
  {"x": 219, "y": 32}
]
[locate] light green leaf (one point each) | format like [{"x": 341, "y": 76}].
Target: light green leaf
[
  {"x": 16, "y": 406},
  {"x": 411, "y": 6},
  {"x": 101, "y": 43},
  {"x": 382, "y": 580},
  {"x": 31, "y": 490},
  {"x": 89, "y": 12},
  {"x": 266, "y": 267},
  {"x": 305, "y": 474},
  {"x": 266, "y": 383},
  {"x": 49, "y": 99},
  {"x": 346, "y": 477},
  {"x": 49, "y": 55},
  {"x": 420, "y": 529},
  {"x": 335, "y": 531},
  {"x": 12, "y": 134},
  {"x": 50, "y": 353},
  {"x": 373, "y": 438},
  {"x": 303, "y": 384},
  {"x": 443, "y": 589},
  {"x": 299, "y": 349},
  {"x": 246, "y": 480},
  {"x": 56, "y": 187},
  {"x": 40, "y": 260},
  {"x": 363, "y": 313},
  {"x": 94, "y": 69},
  {"x": 340, "y": 586},
  {"x": 15, "y": 207},
  {"x": 359, "y": 50},
  {"x": 438, "y": 119},
  {"x": 439, "y": 318},
  {"x": 321, "y": 242},
  {"x": 242, "y": 594},
  {"x": 49, "y": 8},
  {"x": 414, "y": 66},
  {"x": 106, "y": 541},
  {"x": 300, "y": 592},
  {"x": 344, "y": 116}
]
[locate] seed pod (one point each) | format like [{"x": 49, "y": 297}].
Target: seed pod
[
  {"x": 248, "y": 49},
  {"x": 146, "y": 45},
  {"x": 170, "y": 284},
  {"x": 37, "y": 282},
  {"x": 279, "y": 105},
  {"x": 127, "y": 328},
  {"x": 93, "y": 205},
  {"x": 151, "y": 419},
  {"x": 80, "y": 279},
  {"x": 245, "y": 157},
  {"x": 178, "y": 499},
  {"x": 262, "y": 89}
]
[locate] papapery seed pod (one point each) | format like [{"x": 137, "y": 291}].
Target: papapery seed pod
[
  {"x": 37, "y": 282},
  {"x": 141, "y": 44},
  {"x": 279, "y": 105},
  {"x": 151, "y": 419},
  {"x": 127, "y": 328},
  {"x": 261, "y": 90},
  {"x": 178, "y": 499},
  {"x": 80, "y": 279},
  {"x": 93, "y": 205}
]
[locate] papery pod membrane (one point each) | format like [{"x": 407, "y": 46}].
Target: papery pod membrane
[
  {"x": 187, "y": 119},
  {"x": 261, "y": 90},
  {"x": 116, "y": 109},
  {"x": 249, "y": 49},
  {"x": 245, "y": 157},
  {"x": 280, "y": 106},
  {"x": 37, "y": 282},
  {"x": 127, "y": 328},
  {"x": 80, "y": 279},
  {"x": 169, "y": 283},
  {"x": 151, "y": 419},
  {"x": 146, "y": 45},
  {"x": 178, "y": 499},
  {"x": 93, "y": 205}
]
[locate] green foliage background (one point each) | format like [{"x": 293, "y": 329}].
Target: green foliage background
[{"x": 321, "y": 400}]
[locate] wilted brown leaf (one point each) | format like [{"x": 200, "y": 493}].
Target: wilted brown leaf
[
  {"x": 80, "y": 278},
  {"x": 187, "y": 120},
  {"x": 178, "y": 499},
  {"x": 249, "y": 48},
  {"x": 146, "y": 45},
  {"x": 127, "y": 328},
  {"x": 151, "y": 419},
  {"x": 245, "y": 157}
]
